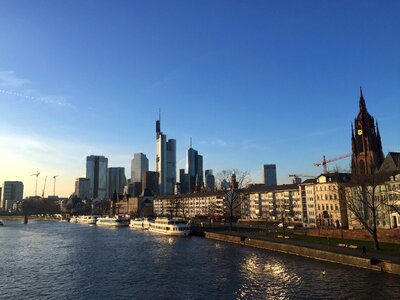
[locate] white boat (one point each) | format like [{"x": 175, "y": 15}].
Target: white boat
[
  {"x": 87, "y": 220},
  {"x": 113, "y": 221},
  {"x": 1, "y": 223},
  {"x": 74, "y": 219},
  {"x": 140, "y": 223},
  {"x": 170, "y": 226}
]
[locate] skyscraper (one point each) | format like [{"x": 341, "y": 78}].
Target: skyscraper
[
  {"x": 367, "y": 154},
  {"x": 210, "y": 181},
  {"x": 96, "y": 171},
  {"x": 139, "y": 165},
  {"x": 12, "y": 192},
  {"x": 82, "y": 188},
  {"x": 165, "y": 161},
  {"x": 194, "y": 168},
  {"x": 269, "y": 174},
  {"x": 116, "y": 181}
]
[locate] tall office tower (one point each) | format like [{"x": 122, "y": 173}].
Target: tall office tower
[
  {"x": 184, "y": 181},
  {"x": 269, "y": 174},
  {"x": 366, "y": 143},
  {"x": 82, "y": 188},
  {"x": 96, "y": 171},
  {"x": 165, "y": 161},
  {"x": 194, "y": 168},
  {"x": 210, "y": 181},
  {"x": 139, "y": 165},
  {"x": 12, "y": 192},
  {"x": 150, "y": 182},
  {"x": 116, "y": 181}
]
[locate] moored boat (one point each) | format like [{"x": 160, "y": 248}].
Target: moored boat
[
  {"x": 91, "y": 220},
  {"x": 170, "y": 226},
  {"x": 74, "y": 219},
  {"x": 113, "y": 221},
  {"x": 140, "y": 223},
  {"x": 1, "y": 223}
]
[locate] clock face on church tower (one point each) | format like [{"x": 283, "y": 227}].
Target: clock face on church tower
[{"x": 359, "y": 131}]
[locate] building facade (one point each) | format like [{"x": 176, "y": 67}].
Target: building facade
[
  {"x": 116, "y": 181},
  {"x": 281, "y": 203},
  {"x": 139, "y": 166},
  {"x": 12, "y": 192},
  {"x": 209, "y": 204},
  {"x": 210, "y": 181},
  {"x": 269, "y": 174},
  {"x": 194, "y": 169},
  {"x": 165, "y": 161},
  {"x": 367, "y": 155},
  {"x": 82, "y": 188},
  {"x": 96, "y": 172},
  {"x": 307, "y": 191},
  {"x": 330, "y": 200}
]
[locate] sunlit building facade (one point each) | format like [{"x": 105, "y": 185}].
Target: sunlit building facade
[
  {"x": 12, "y": 192},
  {"x": 165, "y": 161}
]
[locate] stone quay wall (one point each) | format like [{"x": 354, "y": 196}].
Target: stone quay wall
[{"x": 355, "y": 261}]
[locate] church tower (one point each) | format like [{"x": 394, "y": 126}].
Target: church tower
[{"x": 366, "y": 142}]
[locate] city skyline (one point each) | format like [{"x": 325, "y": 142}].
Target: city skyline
[{"x": 280, "y": 87}]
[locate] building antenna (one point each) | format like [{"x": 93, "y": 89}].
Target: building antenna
[
  {"x": 159, "y": 114},
  {"x": 190, "y": 142}
]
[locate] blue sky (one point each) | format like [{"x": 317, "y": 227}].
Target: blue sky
[{"x": 251, "y": 81}]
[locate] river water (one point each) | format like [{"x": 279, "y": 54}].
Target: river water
[{"x": 52, "y": 260}]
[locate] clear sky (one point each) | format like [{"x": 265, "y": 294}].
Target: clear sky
[{"x": 251, "y": 82}]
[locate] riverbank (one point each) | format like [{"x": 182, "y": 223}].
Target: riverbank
[{"x": 334, "y": 254}]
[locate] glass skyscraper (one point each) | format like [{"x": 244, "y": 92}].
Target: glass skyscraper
[{"x": 96, "y": 171}]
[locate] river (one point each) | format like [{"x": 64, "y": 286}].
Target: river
[{"x": 52, "y": 260}]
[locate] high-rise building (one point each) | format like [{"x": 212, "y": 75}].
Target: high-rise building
[
  {"x": 12, "y": 192},
  {"x": 165, "y": 161},
  {"x": 139, "y": 165},
  {"x": 367, "y": 154},
  {"x": 210, "y": 181},
  {"x": 116, "y": 181},
  {"x": 184, "y": 181},
  {"x": 269, "y": 174},
  {"x": 96, "y": 171},
  {"x": 194, "y": 168},
  {"x": 82, "y": 188},
  {"x": 150, "y": 182}
]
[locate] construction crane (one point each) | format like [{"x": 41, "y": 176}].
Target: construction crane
[
  {"x": 326, "y": 161},
  {"x": 296, "y": 176},
  {"x": 54, "y": 187},
  {"x": 37, "y": 175},
  {"x": 44, "y": 186}
]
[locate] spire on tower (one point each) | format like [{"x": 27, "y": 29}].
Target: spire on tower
[
  {"x": 190, "y": 142},
  {"x": 362, "y": 101}
]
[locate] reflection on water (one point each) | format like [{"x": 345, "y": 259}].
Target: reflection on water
[{"x": 50, "y": 260}]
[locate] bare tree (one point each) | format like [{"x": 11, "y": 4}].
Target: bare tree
[
  {"x": 366, "y": 201},
  {"x": 233, "y": 201},
  {"x": 242, "y": 177}
]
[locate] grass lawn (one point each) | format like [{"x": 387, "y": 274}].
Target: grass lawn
[{"x": 387, "y": 248}]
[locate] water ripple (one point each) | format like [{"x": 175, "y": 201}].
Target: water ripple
[{"x": 49, "y": 260}]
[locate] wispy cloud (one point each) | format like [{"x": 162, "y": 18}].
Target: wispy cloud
[
  {"x": 14, "y": 86},
  {"x": 214, "y": 142},
  {"x": 9, "y": 80}
]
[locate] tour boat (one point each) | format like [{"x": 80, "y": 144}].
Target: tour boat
[
  {"x": 113, "y": 221},
  {"x": 91, "y": 220},
  {"x": 1, "y": 223},
  {"x": 140, "y": 223},
  {"x": 74, "y": 219},
  {"x": 170, "y": 226}
]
